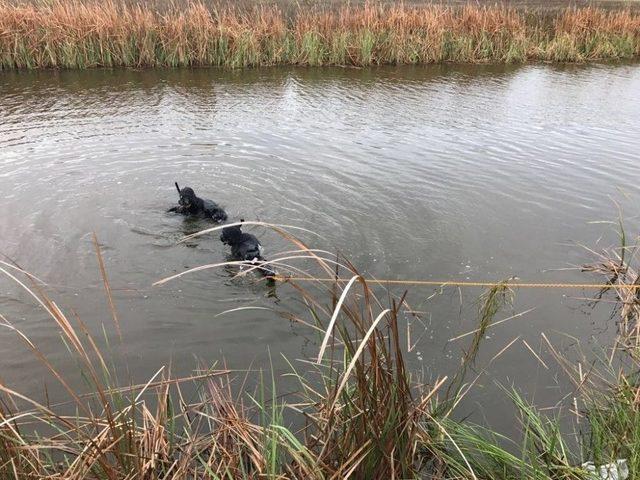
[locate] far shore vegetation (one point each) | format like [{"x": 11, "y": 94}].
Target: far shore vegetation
[
  {"x": 77, "y": 34},
  {"x": 359, "y": 412}
]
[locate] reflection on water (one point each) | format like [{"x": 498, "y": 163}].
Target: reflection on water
[{"x": 412, "y": 172}]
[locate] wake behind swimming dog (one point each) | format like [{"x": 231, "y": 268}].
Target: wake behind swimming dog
[{"x": 191, "y": 204}]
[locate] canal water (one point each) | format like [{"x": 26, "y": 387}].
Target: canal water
[{"x": 434, "y": 172}]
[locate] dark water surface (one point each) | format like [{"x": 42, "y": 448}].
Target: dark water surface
[{"x": 430, "y": 172}]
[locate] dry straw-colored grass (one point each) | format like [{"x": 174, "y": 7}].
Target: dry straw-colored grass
[
  {"x": 74, "y": 34},
  {"x": 360, "y": 413},
  {"x": 363, "y": 417}
]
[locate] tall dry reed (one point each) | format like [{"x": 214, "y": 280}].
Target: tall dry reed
[
  {"x": 363, "y": 414},
  {"x": 74, "y": 34}
]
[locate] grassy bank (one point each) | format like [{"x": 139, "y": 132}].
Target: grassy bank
[
  {"x": 359, "y": 412},
  {"x": 72, "y": 34}
]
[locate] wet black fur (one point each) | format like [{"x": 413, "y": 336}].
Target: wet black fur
[
  {"x": 246, "y": 247},
  {"x": 191, "y": 204}
]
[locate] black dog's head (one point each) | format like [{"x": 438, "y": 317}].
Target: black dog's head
[
  {"x": 231, "y": 235},
  {"x": 187, "y": 197}
]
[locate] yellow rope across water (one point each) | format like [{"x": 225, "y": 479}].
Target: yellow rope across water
[{"x": 455, "y": 283}]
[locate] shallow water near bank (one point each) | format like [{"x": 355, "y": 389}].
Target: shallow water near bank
[{"x": 435, "y": 172}]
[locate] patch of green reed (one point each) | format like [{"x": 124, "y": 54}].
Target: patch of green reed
[
  {"x": 367, "y": 43},
  {"x": 471, "y": 448},
  {"x": 339, "y": 49},
  {"x": 313, "y": 49},
  {"x": 544, "y": 447},
  {"x": 614, "y": 429}
]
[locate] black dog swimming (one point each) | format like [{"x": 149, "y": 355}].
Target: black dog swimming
[
  {"x": 246, "y": 247},
  {"x": 190, "y": 204}
]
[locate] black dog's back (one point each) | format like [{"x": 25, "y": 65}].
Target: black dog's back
[
  {"x": 246, "y": 247},
  {"x": 213, "y": 210}
]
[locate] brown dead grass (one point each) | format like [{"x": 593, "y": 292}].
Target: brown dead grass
[{"x": 74, "y": 34}]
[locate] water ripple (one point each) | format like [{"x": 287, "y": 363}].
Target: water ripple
[{"x": 413, "y": 172}]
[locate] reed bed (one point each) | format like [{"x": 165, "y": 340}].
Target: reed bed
[
  {"x": 360, "y": 413},
  {"x": 75, "y": 34}
]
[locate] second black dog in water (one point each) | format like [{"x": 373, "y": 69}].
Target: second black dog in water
[
  {"x": 245, "y": 246},
  {"x": 190, "y": 204}
]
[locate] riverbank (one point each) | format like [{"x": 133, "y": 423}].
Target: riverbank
[
  {"x": 360, "y": 413},
  {"x": 71, "y": 34}
]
